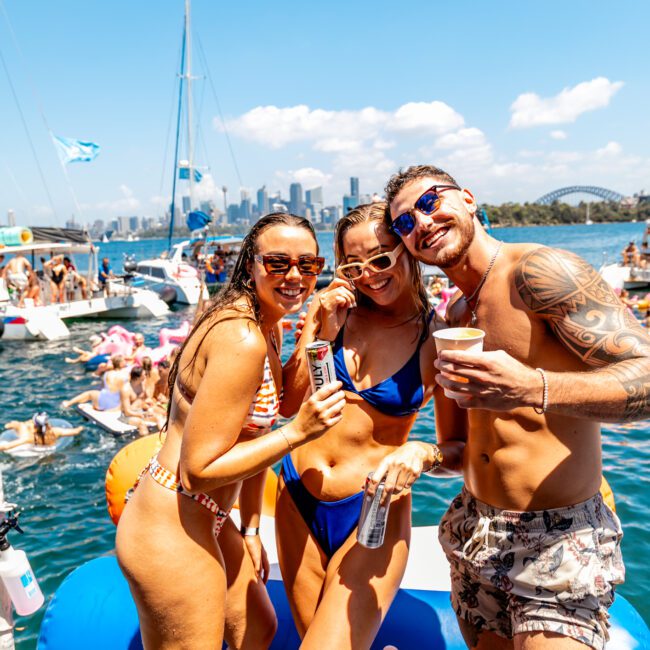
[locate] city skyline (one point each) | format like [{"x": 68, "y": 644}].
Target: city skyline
[{"x": 513, "y": 100}]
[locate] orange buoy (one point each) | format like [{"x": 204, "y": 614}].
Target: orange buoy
[
  {"x": 124, "y": 470},
  {"x": 607, "y": 494},
  {"x": 127, "y": 464}
]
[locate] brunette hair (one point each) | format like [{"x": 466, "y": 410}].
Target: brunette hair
[
  {"x": 413, "y": 173},
  {"x": 238, "y": 287},
  {"x": 377, "y": 212}
]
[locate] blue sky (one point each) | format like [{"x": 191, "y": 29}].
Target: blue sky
[{"x": 512, "y": 98}]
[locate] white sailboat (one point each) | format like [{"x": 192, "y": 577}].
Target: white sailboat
[
  {"x": 170, "y": 275},
  {"x": 46, "y": 320}
]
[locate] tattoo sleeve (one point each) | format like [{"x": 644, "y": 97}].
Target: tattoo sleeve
[{"x": 589, "y": 319}]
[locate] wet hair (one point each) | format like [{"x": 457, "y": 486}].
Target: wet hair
[
  {"x": 414, "y": 173},
  {"x": 117, "y": 360},
  {"x": 41, "y": 426},
  {"x": 136, "y": 373},
  {"x": 239, "y": 286},
  {"x": 377, "y": 212},
  {"x": 147, "y": 365}
]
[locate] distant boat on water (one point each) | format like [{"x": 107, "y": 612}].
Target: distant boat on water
[{"x": 44, "y": 319}]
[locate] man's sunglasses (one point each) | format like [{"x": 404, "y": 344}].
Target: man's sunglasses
[
  {"x": 279, "y": 264},
  {"x": 377, "y": 263},
  {"x": 427, "y": 204}
]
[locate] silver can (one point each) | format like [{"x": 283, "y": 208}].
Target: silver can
[
  {"x": 372, "y": 521},
  {"x": 321, "y": 364}
]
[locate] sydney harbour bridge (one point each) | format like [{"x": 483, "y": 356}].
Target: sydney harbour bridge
[{"x": 601, "y": 192}]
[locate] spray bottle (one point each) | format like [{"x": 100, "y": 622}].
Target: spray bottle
[{"x": 16, "y": 573}]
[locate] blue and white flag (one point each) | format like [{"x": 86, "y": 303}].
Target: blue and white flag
[
  {"x": 71, "y": 150},
  {"x": 184, "y": 174}
]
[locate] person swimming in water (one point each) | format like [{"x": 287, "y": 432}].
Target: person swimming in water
[
  {"x": 37, "y": 431},
  {"x": 377, "y": 315}
]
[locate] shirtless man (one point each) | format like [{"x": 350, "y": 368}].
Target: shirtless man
[
  {"x": 37, "y": 431},
  {"x": 534, "y": 552},
  {"x": 16, "y": 273},
  {"x": 134, "y": 405}
]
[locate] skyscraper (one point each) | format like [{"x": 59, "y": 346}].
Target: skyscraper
[
  {"x": 296, "y": 204},
  {"x": 354, "y": 186},
  {"x": 262, "y": 200}
]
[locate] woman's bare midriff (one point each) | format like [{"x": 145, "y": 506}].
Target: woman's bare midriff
[
  {"x": 336, "y": 465},
  {"x": 544, "y": 470}
]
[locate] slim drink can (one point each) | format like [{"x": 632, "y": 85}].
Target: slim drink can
[
  {"x": 372, "y": 521},
  {"x": 321, "y": 364}
]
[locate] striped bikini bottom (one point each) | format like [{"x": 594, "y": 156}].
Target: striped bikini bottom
[{"x": 170, "y": 481}]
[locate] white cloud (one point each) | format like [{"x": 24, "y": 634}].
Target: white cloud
[
  {"x": 463, "y": 138},
  {"x": 126, "y": 205},
  {"x": 610, "y": 150},
  {"x": 530, "y": 109},
  {"x": 308, "y": 177},
  {"x": 424, "y": 118},
  {"x": 558, "y": 135},
  {"x": 334, "y": 131}
]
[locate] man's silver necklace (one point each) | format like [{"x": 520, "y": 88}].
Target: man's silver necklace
[{"x": 477, "y": 292}]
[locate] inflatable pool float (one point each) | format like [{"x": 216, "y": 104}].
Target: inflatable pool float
[
  {"x": 93, "y": 606},
  {"x": 108, "y": 420},
  {"x": 29, "y": 450},
  {"x": 93, "y": 363}
]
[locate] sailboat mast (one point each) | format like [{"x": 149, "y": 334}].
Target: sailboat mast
[
  {"x": 178, "y": 125},
  {"x": 190, "y": 151}
]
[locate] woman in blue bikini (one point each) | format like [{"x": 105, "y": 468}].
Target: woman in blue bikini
[{"x": 378, "y": 317}]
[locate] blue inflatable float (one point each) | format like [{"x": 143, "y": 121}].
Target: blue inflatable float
[
  {"x": 93, "y": 363},
  {"x": 93, "y": 608}
]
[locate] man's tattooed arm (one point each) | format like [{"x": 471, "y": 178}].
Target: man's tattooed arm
[{"x": 589, "y": 319}]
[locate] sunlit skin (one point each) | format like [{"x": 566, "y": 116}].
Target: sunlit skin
[
  {"x": 541, "y": 308},
  {"x": 344, "y": 599},
  {"x": 187, "y": 584}
]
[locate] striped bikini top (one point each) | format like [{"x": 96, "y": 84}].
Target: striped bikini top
[{"x": 264, "y": 408}]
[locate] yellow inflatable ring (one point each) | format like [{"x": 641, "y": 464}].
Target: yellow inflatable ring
[
  {"x": 607, "y": 494},
  {"x": 127, "y": 464}
]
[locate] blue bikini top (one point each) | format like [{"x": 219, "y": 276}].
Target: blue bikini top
[{"x": 400, "y": 394}]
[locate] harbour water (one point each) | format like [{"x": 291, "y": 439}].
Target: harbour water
[{"x": 62, "y": 496}]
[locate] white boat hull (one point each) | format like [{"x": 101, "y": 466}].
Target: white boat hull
[
  {"x": 47, "y": 322},
  {"x": 625, "y": 277}
]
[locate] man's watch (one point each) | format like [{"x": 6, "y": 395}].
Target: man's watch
[{"x": 437, "y": 459}]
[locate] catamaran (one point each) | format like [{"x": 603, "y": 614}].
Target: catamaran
[{"x": 43, "y": 318}]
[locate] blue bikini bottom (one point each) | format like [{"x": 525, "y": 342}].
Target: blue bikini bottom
[{"x": 330, "y": 522}]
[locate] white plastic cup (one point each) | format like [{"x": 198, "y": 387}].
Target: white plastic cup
[{"x": 459, "y": 338}]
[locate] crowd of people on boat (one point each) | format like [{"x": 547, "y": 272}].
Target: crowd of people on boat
[
  {"x": 533, "y": 550},
  {"x": 57, "y": 281}
]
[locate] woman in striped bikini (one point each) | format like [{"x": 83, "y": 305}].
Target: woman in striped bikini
[{"x": 191, "y": 572}]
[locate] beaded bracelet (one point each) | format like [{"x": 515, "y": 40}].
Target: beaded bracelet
[{"x": 542, "y": 410}]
